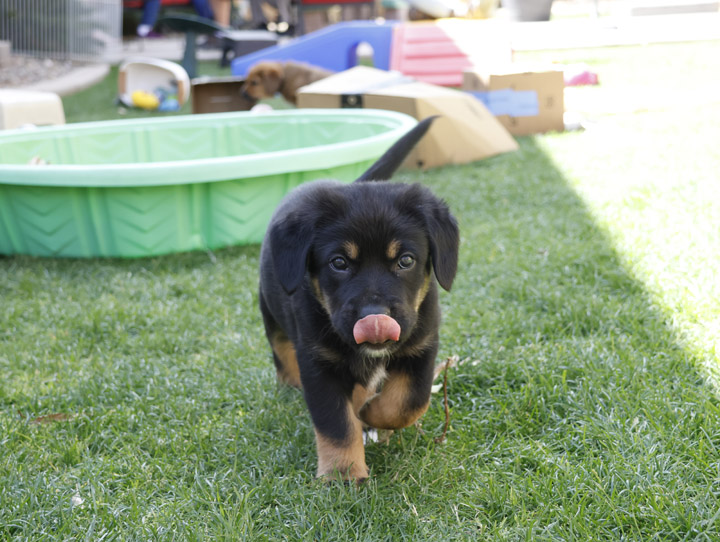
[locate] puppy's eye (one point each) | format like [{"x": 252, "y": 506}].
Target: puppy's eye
[
  {"x": 338, "y": 263},
  {"x": 406, "y": 261}
]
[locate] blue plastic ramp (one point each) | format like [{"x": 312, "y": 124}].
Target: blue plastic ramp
[{"x": 333, "y": 48}]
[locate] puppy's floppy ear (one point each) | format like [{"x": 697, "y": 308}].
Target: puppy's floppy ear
[
  {"x": 442, "y": 231},
  {"x": 273, "y": 70},
  {"x": 271, "y": 74},
  {"x": 293, "y": 235},
  {"x": 444, "y": 242},
  {"x": 291, "y": 239}
]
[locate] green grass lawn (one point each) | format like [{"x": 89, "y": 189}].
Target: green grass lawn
[{"x": 584, "y": 314}]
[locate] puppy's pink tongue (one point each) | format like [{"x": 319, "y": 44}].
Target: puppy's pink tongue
[{"x": 376, "y": 329}]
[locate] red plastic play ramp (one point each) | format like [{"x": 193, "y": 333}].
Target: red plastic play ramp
[{"x": 437, "y": 52}]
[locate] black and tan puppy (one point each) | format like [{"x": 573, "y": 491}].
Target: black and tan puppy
[
  {"x": 350, "y": 302},
  {"x": 265, "y": 79}
]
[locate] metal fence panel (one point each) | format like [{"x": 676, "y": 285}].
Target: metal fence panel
[{"x": 62, "y": 29}]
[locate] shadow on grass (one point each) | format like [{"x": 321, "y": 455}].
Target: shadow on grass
[{"x": 575, "y": 414}]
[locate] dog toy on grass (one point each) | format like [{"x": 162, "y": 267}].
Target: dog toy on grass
[
  {"x": 160, "y": 100},
  {"x": 144, "y": 100}
]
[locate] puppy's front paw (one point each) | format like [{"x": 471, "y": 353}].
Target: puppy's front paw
[
  {"x": 355, "y": 472},
  {"x": 351, "y": 476}
]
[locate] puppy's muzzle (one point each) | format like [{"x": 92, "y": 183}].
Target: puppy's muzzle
[{"x": 245, "y": 95}]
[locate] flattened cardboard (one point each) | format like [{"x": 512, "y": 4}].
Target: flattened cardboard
[
  {"x": 548, "y": 84},
  {"x": 346, "y": 89},
  {"x": 466, "y": 131}
]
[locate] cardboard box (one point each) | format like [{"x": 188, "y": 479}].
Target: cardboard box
[
  {"x": 218, "y": 95},
  {"x": 466, "y": 131},
  {"x": 525, "y": 100}
]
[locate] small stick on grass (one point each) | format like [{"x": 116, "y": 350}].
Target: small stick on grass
[{"x": 445, "y": 366}]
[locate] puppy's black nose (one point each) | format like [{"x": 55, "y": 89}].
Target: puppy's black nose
[{"x": 367, "y": 310}]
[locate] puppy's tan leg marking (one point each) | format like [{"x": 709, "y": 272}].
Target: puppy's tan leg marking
[
  {"x": 360, "y": 395},
  {"x": 289, "y": 372},
  {"x": 389, "y": 409},
  {"x": 342, "y": 460}
]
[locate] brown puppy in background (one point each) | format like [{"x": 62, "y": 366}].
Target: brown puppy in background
[{"x": 265, "y": 79}]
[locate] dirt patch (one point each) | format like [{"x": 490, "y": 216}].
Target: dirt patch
[{"x": 21, "y": 71}]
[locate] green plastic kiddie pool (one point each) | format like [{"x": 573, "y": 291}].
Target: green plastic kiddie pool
[{"x": 145, "y": 187}]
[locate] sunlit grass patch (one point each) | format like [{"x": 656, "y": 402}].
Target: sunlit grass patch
[{"x": 650, "y": 181}]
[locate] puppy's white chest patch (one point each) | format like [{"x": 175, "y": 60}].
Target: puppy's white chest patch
[{"x": 377, "y": 378}]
